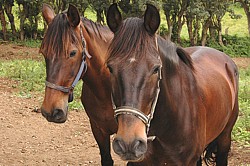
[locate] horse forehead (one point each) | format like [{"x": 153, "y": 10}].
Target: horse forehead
[{"x": 132, "y": 60}]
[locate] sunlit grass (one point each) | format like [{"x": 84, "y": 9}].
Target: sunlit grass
[
  {"x": 235, "y": 26},
  {"x": 241, "y": 131},
  {"x": 30, "y": 75}
]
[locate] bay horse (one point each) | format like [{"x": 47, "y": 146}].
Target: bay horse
[
  {"x": 171, "y": 103},
  {"x": 75, "y": 48}
]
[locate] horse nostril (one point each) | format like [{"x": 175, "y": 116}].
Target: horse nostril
[
  {"x": 139, "y": 147},
  {"x": 58, "y": 115},
  {"x": 119, "y": 146}
]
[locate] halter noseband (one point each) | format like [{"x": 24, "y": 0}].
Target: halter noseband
[{"x": 82, "y": 70}]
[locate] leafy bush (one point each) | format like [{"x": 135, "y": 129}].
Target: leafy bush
[{"x": 233, "y": 46}]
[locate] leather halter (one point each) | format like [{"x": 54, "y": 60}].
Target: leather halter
[{"x": 82, "y": 70}]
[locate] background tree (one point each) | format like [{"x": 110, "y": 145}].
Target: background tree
[
  {"x": 3, "y": 21},
  {"x": 194, "y": 15},
  {"x": 246, "y": 6},
  {"x": 202, "y": 17},
  {"x": 29, "y": 10},
  {"x": 100, "y": 8},
  {"x": 174, "y": 11},
  {"x": 136, "y": 8},
  {"x": 8, "y": 4},
  {"x": 216, "y": 10}
]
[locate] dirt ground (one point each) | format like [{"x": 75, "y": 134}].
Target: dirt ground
[{"x": 26, "y": 138}]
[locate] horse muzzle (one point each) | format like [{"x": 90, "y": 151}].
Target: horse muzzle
[
  {"x": 56, "y": 115},
  {"x": 133, "y": 151}
]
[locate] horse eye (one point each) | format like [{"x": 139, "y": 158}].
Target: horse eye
[
  {"x": 110, "y": 69},
  {"x": 72, "y": 53},
  {"x": 156, "y": 69}
]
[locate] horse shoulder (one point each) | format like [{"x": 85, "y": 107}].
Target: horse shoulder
[{"x": 216, "y": 76}]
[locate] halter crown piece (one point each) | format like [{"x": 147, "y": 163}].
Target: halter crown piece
[{"x": 82, "y": 70}]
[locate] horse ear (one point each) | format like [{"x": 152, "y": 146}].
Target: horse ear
[
  {"x": 48, "y": 13},
  {"x": 73, "y": 16},
  {"x": 151, "y": 19},
  {"x": 114, "y": 18}
]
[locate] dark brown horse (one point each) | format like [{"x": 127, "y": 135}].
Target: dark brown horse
[
  {"x": 190, "y": 92},
  {"x": 69, "y": 46}
]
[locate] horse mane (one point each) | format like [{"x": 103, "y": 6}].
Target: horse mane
[
  {"x": 131, "y": 39},
  {"x": 99, "y": 30},
  {"x": 185, "y": 57},
  {"x": 58, "y": 36},
  {"x": 173, "y": 53},
  {"x": 136, "y": 41}
]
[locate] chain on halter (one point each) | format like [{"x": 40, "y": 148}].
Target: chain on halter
[{"x": 82, "y": 70}]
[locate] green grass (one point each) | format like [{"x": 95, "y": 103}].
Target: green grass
[
  {"x": 29, "y": 43},
  {"x": 30, "y": 75},
  {"x": 241, "y": 132},
  {"x": 236, "y": 27}
]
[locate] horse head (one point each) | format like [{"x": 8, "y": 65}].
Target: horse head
[
  {"x": 64, "y": 50},
  {"x": 135, "y": 66}
]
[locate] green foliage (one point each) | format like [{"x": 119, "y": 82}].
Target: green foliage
[
  {"x": 233, "y": 46},
  {"x": 241, "y": 131},
  {"x": 135, "y": 8}
]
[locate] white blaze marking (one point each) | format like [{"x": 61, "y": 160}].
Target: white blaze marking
[{"x": 131, "y": 60}]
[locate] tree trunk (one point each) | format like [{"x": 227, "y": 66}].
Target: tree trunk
[
  {"x": 247, "y": 12},
  {"x": 8, "y": 10},
  {"x": 22, "y": 8},
  {"x": 3, "y": 23},
  {"x": 170, "y": 26},
  {"x": 248, "y": 22},
  {"x": 220, "y": 32},
  {"x": 100, "y": 19},
  {"x": 35, "y": 29},
  {"x": 196, "y": 30},
  {"x": 180, "y": 23},
  {"x": 204, "y": 31},
  {"x": 190, "y": 29},
  {"x": 212, "y": 32}
]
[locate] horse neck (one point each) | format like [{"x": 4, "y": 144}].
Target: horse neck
[
  {"x": 178, "y": 90},
  {"x": 97, "y": 76}
]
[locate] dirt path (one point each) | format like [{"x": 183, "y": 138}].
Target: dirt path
[{"x": 26, "y": 138}]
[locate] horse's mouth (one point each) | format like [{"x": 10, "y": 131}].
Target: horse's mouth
[
  {"x": 130, "y": 157},
  {"x": 61, "y": 118}
]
